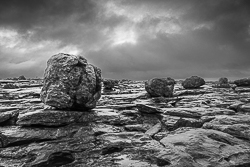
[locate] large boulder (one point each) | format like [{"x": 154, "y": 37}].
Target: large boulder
[
  {"x": 157, "y": 87},
  {"x": 193, "y": 82},
  {"x": 242, "y": 82},
  {"x": 71, "y": 83}
]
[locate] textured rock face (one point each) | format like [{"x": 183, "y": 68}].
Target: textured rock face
[
  {"x": 160, "y": 87},
  {"x": 71, "y": 83},
  {"x": 242, "y": 82},
  {"x": 193, "y": 82}
]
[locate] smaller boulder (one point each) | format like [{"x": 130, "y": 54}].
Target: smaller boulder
[
  {"x": 193, "y": 82},
  {"x": 109, "y": 84},
  {"x": 242, "y": 82},
  {"x": 21, "y": 77},
  {"x": 157, "y": 87},
  {"x": 222, "y": 83}
]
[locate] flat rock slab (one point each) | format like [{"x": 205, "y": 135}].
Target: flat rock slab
[
  {"x": 182, "y": 112},
  {"x": 153, "y": 130},
  {"x": 4, "y": 109},
  {"x": 18, "y": 136},
  {"x": 5, "y": 116},
  {"x": 197, "y": 112},
  {"x": 191, "y": 92},
  {"x": 48, "y": 118},
  {"x": 202, "y": 147},
  {"x": 237, "y": 125},
  {"x": 148, "y": 109}
]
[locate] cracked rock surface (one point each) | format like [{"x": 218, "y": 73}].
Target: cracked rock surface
[{"x": 194, "y": 128}]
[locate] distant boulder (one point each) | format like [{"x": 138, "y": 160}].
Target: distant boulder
[
  {"x": 10, "y": 86},
  {"x": 71, "y": 83},
  {"x": 223, "y": 80},
  {"x": 223, "y": 83},
  {"x": 21, "y": 77},
  {"x": 109, "y": 84},
  {"x": 193, "y": 82},
  {"x": 242, "y": 82},
  {"x": 157, "y": 87}
]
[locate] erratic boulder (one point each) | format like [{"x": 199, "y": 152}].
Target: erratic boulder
[
  {"x": 109, "y": 84},
  {"x": 223, "y": 83},
  {"x": 71, "y": 83},
  {"x": 157, "y": 87},
  {"x": 193, "y": 82},
  {"x": 242, "y": 82},
  {"x": 21, "y": 77}
]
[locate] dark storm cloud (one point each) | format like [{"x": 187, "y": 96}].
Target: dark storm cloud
[
  {"x": 28, "y": 14},
  {"x": 215, "y": 42},
  {"x": 136, "y": 39}
]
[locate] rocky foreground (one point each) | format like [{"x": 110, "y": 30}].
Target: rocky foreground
[{"x": 207, "y": 127}]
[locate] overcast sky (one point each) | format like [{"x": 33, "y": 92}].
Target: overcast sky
[{"x": 135, "y": 39}]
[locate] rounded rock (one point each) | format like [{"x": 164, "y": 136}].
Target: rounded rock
[
  {"x": 242, "y": 82},
  {"x": 71, "y": 83},
  {"x": 193, "y": 82},
  {"x": 222, "y": 83},
  {"x": 109, "y": 84},
  {"x": 157, "y": 87}
]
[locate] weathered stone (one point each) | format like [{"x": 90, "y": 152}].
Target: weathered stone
[
  {"x": 222, "y": 83},
  {"x": 71, "y": 83},
  {"x": 147, "y": 109},
  {"x": 160, "y": 87},
  {"x": 242, "y": 82},
  {"x": 193, "y": 82},
  {"x": 8, "y": 118},
  {"x": 155, "y": 129},
  {"x": 109, "y": 84},
  {"x": 196, "y": 112},
  {"x": 181, "y": 112},
  {"x": 191, "y": 92}
]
